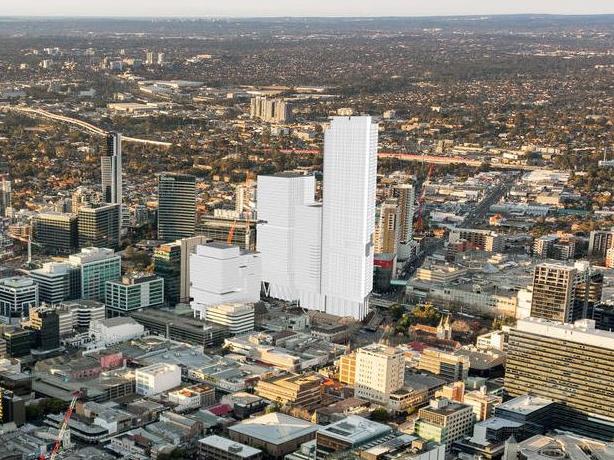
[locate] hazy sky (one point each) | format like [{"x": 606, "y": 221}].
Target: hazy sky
[{"x": 297, "y": 7}]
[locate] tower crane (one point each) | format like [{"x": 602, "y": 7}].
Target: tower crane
[{"x": 63, "y": 427}]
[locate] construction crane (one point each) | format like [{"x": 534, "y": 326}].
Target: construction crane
[
  {"x": 28, "y": 241},
  {"x": 420, "y": 219},
  {"x": 58, "y": 442},
  {"x": 231, "y": 233}
]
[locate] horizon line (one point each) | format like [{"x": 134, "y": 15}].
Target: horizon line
[{"x": 419, "y": 16}]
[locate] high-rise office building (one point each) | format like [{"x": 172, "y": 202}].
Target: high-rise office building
[
  {"x": 17, "y": 296},
  {"x": 45, "y": 322},
  {"x": 405, "y": 194},
  {"x": 388, "y": 230},
  {"x": 176, "y": 206},
  {"x": 100, "y": 226},
  {"x": 97, "y": 266},
  {"x": 111, "y": 169},
  {"x": 572, "y": 364},
  {"x": 133, "y": 292},
  {"x": 380, "y": 371},
  {"x": 56, "y": 232},
  {"x": 57, "y": 282},
  {"x": 565, "y": 293},
  {"x": 223, "y": 274},
  {"x": 167, "y": 265},
  {"x": 348, "y": 215}
]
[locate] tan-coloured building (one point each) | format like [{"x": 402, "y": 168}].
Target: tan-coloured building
[
  {"x": 380, "y": 371},
  {"x": 296, "y": 390},
  {"x": 347, "y": 369}
]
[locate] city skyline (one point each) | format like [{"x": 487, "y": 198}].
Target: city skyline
[{"x": 273, "y": 8}]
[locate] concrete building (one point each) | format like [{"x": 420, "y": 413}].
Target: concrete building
[
  {"x": 347, "y": 369},
  {"x": 482, "y": 402},
  {"x": 82, "y": 313},
  {"x": 484, "y": 240},
  {"x": 444, "y": 422},
  {"x": 114, "y": 330},
  {"x": 222, "y": 274},
  {"x": 599, "y": 242},
  {"x": 296, "y": 390},
  {"x": 217, "y": 228},
  {"x": 5, "y": 194},
  {"x": 380, "y": 371},
  {"x": 17, "y": 296},
  {"x": 565, "y": 293},
  {"x": 96, "y": 266},
  {"x": 271, "y": 110},
  {"x": 176, "y": 206},
  {"x": 57, "y": 282},
  {"x": 218, "y": 448},
  {"x": 187, "y": 247},
  {"x": 567, "y": 363},
  {"x": 349, "y": 433},
  {"x": 447, "y": 365},
  {"x": 388, "y": 229},
  {"x": 405, "y": 194},
  {"x": 57, "y": 233},
  {"x": 192, "y": 398},
  {"x": 133, "y": 292},
  {"x": 238, "y": 318},
  {"x": 276, "y": 434},
  {"x": 181, "y": 328},
  {"x": 99, "y": 226},
  {"x": 155, "y": 379}
]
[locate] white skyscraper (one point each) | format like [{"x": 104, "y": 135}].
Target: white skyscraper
[
  {"x": 348, "y": 219},
  {"x": 287, "y": 234},
  {"x": 321, "y": 254}
]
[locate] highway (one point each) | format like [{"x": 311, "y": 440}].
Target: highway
[{"x": 88, "y": 127}]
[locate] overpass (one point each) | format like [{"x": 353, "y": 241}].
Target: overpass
[{"x": 88, "y": 127}]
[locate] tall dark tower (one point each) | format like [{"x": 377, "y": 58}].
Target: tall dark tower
[
  {"x": 176, "y": 206},
  {"x": 111, "y": 169}
]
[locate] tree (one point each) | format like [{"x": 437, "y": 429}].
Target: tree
[{"x": 380, "y": 415}]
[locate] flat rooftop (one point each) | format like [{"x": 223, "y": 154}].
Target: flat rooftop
[
  {"x": 235, "y": 448},
  {"x": 355, "y": 429},
  {"x": 525, "y": 404}
]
